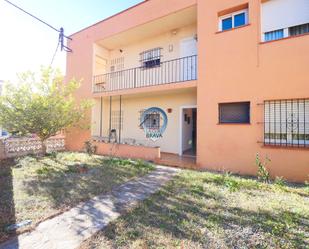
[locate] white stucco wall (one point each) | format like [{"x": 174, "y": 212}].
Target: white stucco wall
[
  {"x": 131, "y": 107},
  {"x": 170, "y": 44}
]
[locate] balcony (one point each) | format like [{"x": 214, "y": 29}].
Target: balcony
[{"x": 173, "y": 71}]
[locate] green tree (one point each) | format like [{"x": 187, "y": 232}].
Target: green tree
[{"x": 41, "y": 104}]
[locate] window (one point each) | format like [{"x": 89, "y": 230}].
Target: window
[
  {"x": 274, "y": 35},
  {"x": 286, "y": 122},
  {"x": 233, "y": 20},
  {"x": 150, "y": 121},
  {"x": 299, "y": 30},
  {"x": 227, "y": 23},
  {"x": 234, "y": 113},
  {"x": 282, "y": 33},
  {"x": 153, "y": 121},
  {"x": 151, "y": 58},
  {"x": 284, "y": 18}
]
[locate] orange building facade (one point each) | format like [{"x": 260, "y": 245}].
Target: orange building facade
[{"x": 216, "y": 81}]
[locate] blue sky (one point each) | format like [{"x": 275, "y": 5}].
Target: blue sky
[{"x": 26, "y": 44}]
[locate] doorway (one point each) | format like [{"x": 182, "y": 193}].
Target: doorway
[
  {"x": 188, "y": 65},
  {"x": 188, "y": 118}
]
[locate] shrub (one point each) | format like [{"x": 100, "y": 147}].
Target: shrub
[
  {"x": 262, "y": 173},
  {"x": 280, "y": 181},
  {"x": 227, "y": 181}
]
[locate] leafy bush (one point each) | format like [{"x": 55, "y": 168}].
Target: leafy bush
[
  {"x": 280, "y": 181},
  {"x": 262, "y": 173},
  {"x": 227, "y": 181}
]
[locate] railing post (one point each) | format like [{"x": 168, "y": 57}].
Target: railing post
[{"x": 134, "y": 77}]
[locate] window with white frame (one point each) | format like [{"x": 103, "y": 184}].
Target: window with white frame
[
  {"x": 284, "y": 18},
  {"x": 233, "y": 20},
  {"x": 286, "y": 122}
]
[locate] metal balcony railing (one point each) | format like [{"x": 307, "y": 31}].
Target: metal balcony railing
[{"x": 167, "y": 72}]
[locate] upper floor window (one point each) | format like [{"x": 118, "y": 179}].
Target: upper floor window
[
  {"x": 274, "y": 35},
  {"x": 151, "y": 58},
  {"x": 233, "y": 20},
  {"x": 286, "y": 122},
  {"x": 284, "y": 18}
]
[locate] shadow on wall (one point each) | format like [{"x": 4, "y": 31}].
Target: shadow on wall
[{"x": 7, "y": 204}]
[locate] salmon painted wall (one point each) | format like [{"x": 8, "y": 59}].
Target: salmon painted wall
[{"x": 234, "y": 66}]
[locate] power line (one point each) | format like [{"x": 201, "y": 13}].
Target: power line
[
  {"x": 60, "y": 31},
  {"x": 52, "y": 61}
]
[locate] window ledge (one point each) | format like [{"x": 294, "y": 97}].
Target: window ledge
[
  {"x": 224, "y": 31},
  {"x": 233, "y": 123},
  {"x": 285, "y": 38},
  {"x": 286, "y": 147}
]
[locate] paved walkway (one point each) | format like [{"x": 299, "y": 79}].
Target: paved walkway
[{"x": 70, "y": 229}]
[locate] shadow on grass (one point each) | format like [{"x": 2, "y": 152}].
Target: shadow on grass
[
  {"x": 7, "y": 205},
  {"x": 188, "y": 213},
  {"x": 69, "y": 186}
]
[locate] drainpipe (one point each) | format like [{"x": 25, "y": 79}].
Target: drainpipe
[
  {"x": 101, "y": 107},
  {"x": 120, "y": 115},
  {"x": 110, "y": 118}
]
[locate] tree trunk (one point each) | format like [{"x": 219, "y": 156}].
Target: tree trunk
[{"x": 44, "y": 147}]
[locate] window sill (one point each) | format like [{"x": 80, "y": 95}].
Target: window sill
[
  {"x": 224, "y": 31},
  {"x": 233, "y": 123},
  {"x": 285, "y": 38},
  {"x": 286, "y": 147}
]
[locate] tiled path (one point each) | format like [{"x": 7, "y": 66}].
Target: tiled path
[
  {"x": 69, "y": 229},
  {"x": 168, "y": 159}
]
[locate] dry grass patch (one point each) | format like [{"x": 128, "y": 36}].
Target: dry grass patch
[
  {"x": 205, "y": 210},
  {"x": 34, "y": 188}
]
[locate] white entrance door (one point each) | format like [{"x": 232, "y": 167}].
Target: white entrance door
[{"x": 188, "y": 63}]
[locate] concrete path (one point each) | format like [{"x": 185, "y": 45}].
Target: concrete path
[{"x": 70, "y": 229}]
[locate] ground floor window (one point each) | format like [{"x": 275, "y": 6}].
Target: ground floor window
[
  {"x": 234, "y": 113},
  {"x": 286, "y": 122}
]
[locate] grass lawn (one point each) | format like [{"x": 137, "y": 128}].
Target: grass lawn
[
  {"x": 206, "y": 210},
  {"x": 34, "y": 188}
]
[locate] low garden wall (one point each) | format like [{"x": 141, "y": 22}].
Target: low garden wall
[
  {"x": 14, "y": 147},
  {"x": 127, "y": 151}
]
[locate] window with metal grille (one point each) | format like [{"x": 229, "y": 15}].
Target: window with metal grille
[
  {"x": 151, "y": 58},
  {"x": 234, "y": 113},
  {"x": 286, "y": 122},
  {"x": 298, "y": 30},
  {"x": 151, "y": 121}
]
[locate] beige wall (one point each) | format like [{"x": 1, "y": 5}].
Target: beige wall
[
  {"x": 132, "y": 106},
  {"x": 130, "y": 52}
]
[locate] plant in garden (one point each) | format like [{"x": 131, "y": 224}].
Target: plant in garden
[
  {"x": 280, "y": 181},
  {"x": 262, "y": 173},
  {"x": 41, "y": 104},
  {"x": 90, "y": 148}
]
